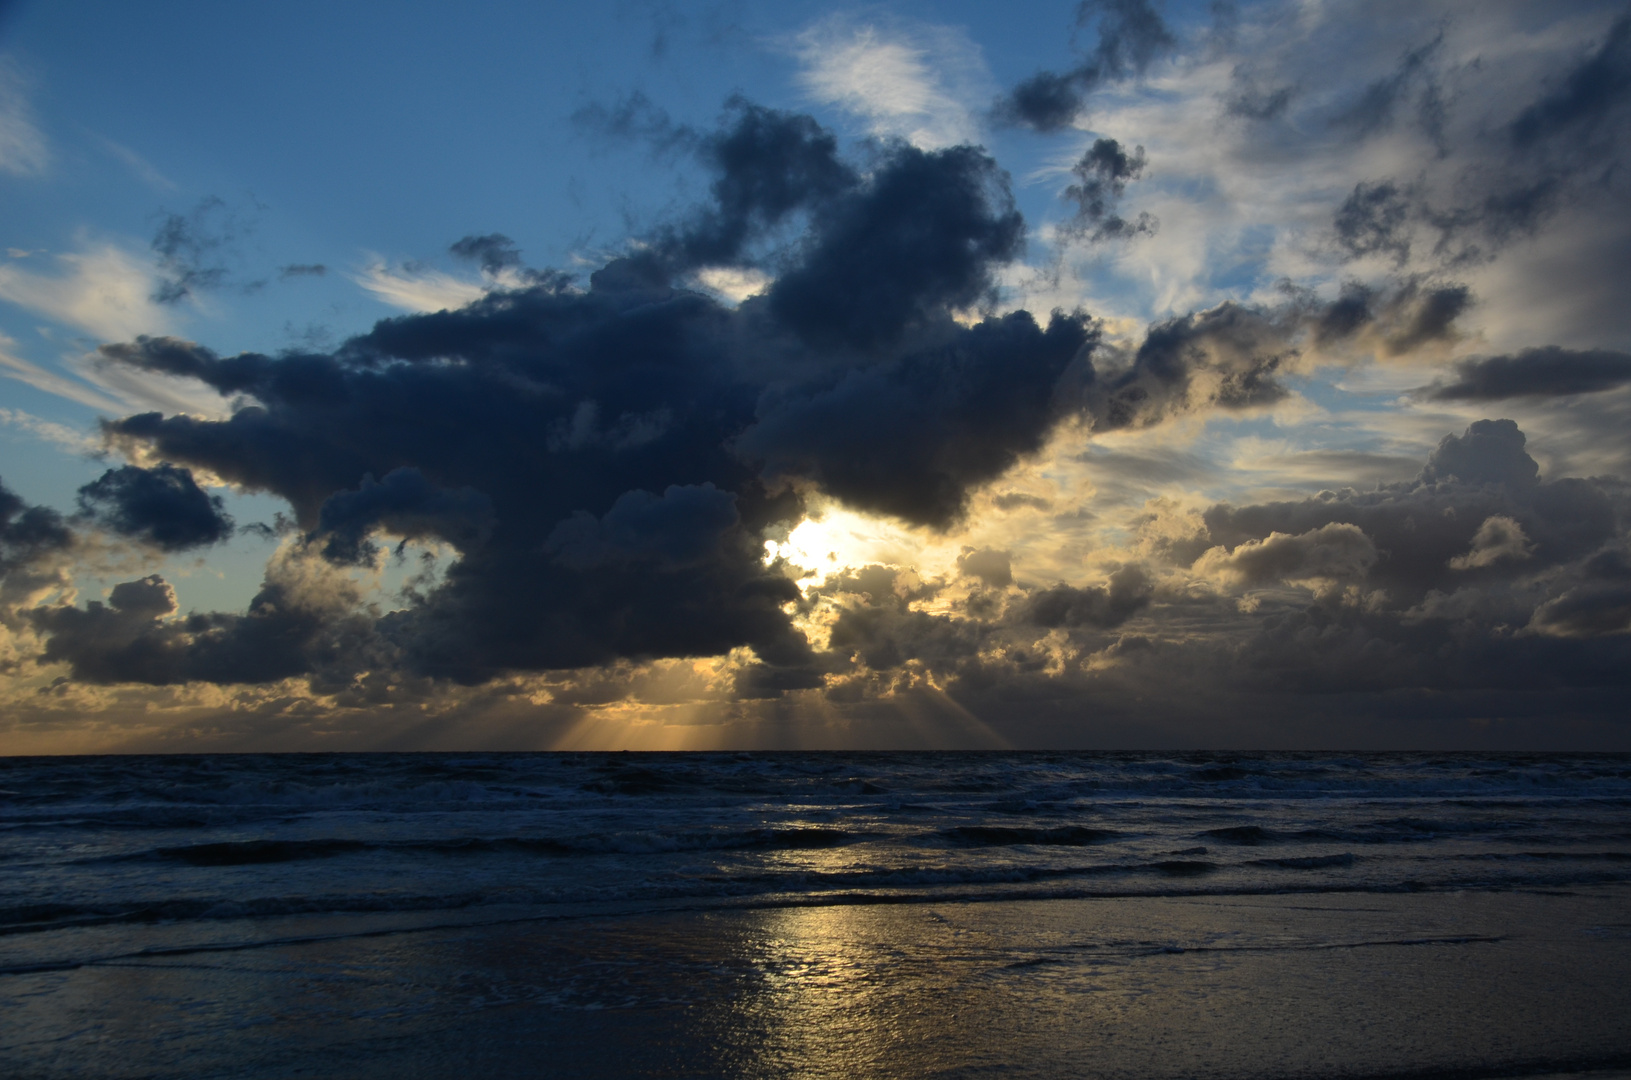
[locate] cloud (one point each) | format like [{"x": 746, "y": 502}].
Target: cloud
[
  {"x": 403, "y": 504},
  {"x": 1478, "y": 507},
  {"x": 104, "y": 291},
  {"x": 162, "y": 506},
  {"x": 418, "y": 288},
  {"x": 23, "y": 149},
  {"x": 606, "y": 461},
  {"x": 28, "y": 533},
  {"x": 1103, "y": 606},
  {"x": 59, "y": 435},
  {"x": 911, "y": 81},
  {"x": 992, "y": 567},
  {"x": 195, "y": 250},
  {"x": 14, "y": 367},
  {"x": 667, "y": 465},
  {"x": 1131, "y": 36},
  {"x": 1102, "y": 176},
  {"x": 1499, "y": 538},
  {"x": 1548, "y": 371},
  {"x": 1335, "y": 552},
  {"x": 1586, "y": 94}
]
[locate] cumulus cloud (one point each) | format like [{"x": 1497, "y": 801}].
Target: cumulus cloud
[
  {"x": 1336, "y": 551},
  {"x": 1497, "y": 539}
]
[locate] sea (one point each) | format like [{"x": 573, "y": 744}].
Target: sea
[{"x": 816, "y": 915}]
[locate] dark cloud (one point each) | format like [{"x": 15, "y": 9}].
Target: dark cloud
[
  {"x": 493, "y": 252},
  {"x": 406, "y": 505},
  {"x": 1013, "y": 500},
  {"x": 1249, "y": 99},
  {"x": 1335, "y": 551},
  {"x": 769, "y": 165},
  {"x": 196, "y": 249},
  {"x": 1409, "y": 315},
  {"x": 1102, "y": 176},
  {"x": 1416, "y": 77},
  {"x": 1564, "y": 150},
  {"x": 992, "y": 567},
  {"x": 293, "y": 627},
  {"x": 1586, "y": 612},
  {"x": 1102, "y": 606},
  {"x": 1545, "y": 372},
  {"x": 1227, "y": 356},
  {"x": 604, "y": 460},
  {"x": 1477, "y": 513},
  {"x": 912, "y": 436},
  {"x": 162, "y": 506},
  {"x": 28, "y": 533},
  {"x": 1131, "y": 36},
  {"x": 1585, "y": 95},
  {"x": 1375, "y": 219},
  {"x": 922, "y": 237},
  {"x": 296, "y": 270}
]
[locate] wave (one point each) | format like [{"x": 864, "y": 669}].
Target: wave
[
  {"x": 1003, "y": 836},
  {"x": 262, "y": 852}
]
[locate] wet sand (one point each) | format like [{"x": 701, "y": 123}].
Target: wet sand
[{"x": 1448, "y": 984}]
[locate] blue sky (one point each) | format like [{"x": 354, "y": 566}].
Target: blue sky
[{"x": 278, "y": 180}]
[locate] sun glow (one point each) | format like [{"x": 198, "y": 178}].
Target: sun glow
[{"x": 837, "y": 540}]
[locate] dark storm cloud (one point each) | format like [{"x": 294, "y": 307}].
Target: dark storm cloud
[
  {"x": 944, "y": 419},
  {"x": 924, "y": 236},
  {"x": 162, "y": 506},
  {"x": 1131, "y": 35},
  {"x": 1102, "y": 176},
  {"x": 605, "y": 460},
  {"x": 407, "y": 505},
  {"x": 1545, "y": 372}
]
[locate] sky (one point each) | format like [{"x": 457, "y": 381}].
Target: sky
[{"x": 1120, "y": 374}]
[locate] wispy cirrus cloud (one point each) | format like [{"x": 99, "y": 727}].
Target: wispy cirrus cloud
[
  {"x": 23, "y": 148},
  {"x": 916, "y": 81},
  {"x": 419, "y": 289},
  {"x": 103, "y": 290}
]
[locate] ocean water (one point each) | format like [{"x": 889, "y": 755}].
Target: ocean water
[{"x": 816, "y": 914}]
